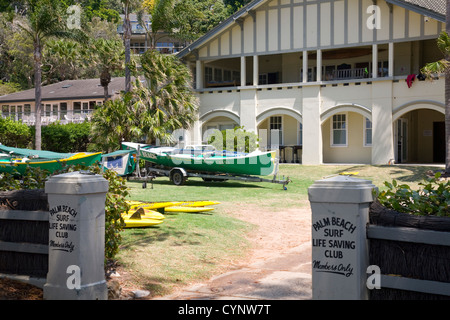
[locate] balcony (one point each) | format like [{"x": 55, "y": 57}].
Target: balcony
[{"x": 63, "y": 117}]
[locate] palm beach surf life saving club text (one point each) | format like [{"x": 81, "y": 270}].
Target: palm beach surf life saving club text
[
  {"x": 332, "y": 234},
  {"x": 61, "y": 227}
]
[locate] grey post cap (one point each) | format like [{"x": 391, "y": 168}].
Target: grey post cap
[
  {"x": 352, "y": 190},
  {"x": 78, "y": 182}
]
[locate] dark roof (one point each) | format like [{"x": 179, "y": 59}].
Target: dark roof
[
  {"x": 68, "y": 90},
  {"x": 435, "y": 9}
]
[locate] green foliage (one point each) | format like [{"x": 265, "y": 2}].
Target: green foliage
[
  {"x": 432, "y": 198},
  {"x": 238, "y": 140},
  {"x": 14, "y": 133},
  {"x": 115, "y": 203},
  {"x": 66, "y": 138}
]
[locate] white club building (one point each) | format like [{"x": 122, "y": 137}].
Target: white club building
[{"x": 329, "y": 81}]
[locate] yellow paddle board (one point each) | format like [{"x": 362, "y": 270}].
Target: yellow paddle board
[
  {"x": 197, "y": 203},
  {"x": 141, "y": 223},
  {"x": 143, "y": 213},
  {"x": 150, "y": 205},
  {"x": 187, "y": 209}
]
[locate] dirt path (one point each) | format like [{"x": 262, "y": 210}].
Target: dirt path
[{"x": 277, "y": 267}]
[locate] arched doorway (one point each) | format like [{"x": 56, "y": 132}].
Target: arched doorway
[
  {"x": 419, "y": 133},
  {"x": 281, "y": 129}
]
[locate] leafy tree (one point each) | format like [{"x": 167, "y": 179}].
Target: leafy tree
[
  {"x": 116, "y": 121},
  {"x": 62, "y": 60},
  {"x": 443, "y": 66},
  {"x": 43, "y": 21},
  {"x": 185, "y": 20},
  {"x": 107, "y": 56},
  {"x": 166, "y": 96}
]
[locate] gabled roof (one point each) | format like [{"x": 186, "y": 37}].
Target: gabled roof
[
  {"x": 435, "y": 9},
  {"x": 68, "y": 90},
  {"x": 221, "y": 26}
]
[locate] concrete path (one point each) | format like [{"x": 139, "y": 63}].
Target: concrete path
[{"x": 285, "y": 277}]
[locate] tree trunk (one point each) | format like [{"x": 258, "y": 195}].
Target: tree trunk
[
  {"x": 38, "y": 93},
  {"x": 127, "y": 37},
  {"x": 447, "y": 101}
]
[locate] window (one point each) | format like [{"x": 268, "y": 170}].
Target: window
[
  {"x": 274, "y": 126},
  {"x": 217, "y": 74},
  {"x": 339, "y": 130},
  {"x": 367, "y": 132},
  {"x": 208, "y": 74},
  {"x": 300, "y": 134},
  {"x": 5, "y": 111}
]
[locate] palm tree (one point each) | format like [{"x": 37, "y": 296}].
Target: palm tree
[
  {"x": 43, "y": 21},
  {"x": 128, "y": 6},
  {"x": 165, "y": 98},
  {"x": 443, "y": 66},
  {"x": 107, "y": 56}
]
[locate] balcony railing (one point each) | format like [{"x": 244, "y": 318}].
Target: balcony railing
[{"x": 64, "y": 117}]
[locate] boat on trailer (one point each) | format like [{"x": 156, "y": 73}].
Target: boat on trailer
[{"x": 204, "y": 161}]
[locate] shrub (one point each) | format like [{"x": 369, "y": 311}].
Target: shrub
[
  {"x": 14, "y": 133},
  {"x": 432, "y": 198},
  {"x": 66, "y": 138}
]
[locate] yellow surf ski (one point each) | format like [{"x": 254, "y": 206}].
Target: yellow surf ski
[{"x": 187, "y": 209}]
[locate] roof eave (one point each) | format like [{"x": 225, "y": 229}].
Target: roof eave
[
  {"x": 415, "y": 8},
  {"x": 224, "y": 24}
]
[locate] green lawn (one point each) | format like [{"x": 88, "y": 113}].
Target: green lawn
[{"x": 191, "y": 247}]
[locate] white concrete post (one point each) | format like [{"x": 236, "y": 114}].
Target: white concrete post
[
  {"x": 243, "y": 71},
  {"x": 340, "y": 212},
  {"x": 76, "y": 237}
]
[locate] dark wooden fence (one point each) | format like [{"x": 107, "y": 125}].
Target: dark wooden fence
[
  {"x": 24, "y": 234},
  {"x": 412, "y": 252}
]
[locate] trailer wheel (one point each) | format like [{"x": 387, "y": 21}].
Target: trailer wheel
[{"x": 178, "y": 178}]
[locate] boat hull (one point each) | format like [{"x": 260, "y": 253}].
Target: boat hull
[
  {"x": 7, "y": 166},
  {"x": 250, "y": 164}
]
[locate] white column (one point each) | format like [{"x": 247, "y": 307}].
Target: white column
[
  {"x": 374, "y": 61},
  {"x": 243, "y": 72},
  {"x": 391, "y": 59},
  {"x": 312, "y": 129},
  {"x": 305, "y": 66},
  {"x": 199, "y": 74},
  {"x": 255, "y": 70},
  {"x": 319, "y": 65}
]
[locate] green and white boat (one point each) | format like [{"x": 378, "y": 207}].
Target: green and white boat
[
  {"x": 20, "y": 159},
  {"x": 206, "y": 160}
]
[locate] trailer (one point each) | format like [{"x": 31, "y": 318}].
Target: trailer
[{"x": 178, "y": 176}]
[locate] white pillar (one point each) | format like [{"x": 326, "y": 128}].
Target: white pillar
[
  {"x": 319, "y": 65},
  {"x": 305, "y": 66},
  {"x": 391, "y": 59},
  {"x": 255, "y": 70},
  {"x": 382, "y": 132},
  {"x": 76, "y": 250},
  {"x": 199, "y": 74},
  {"x": 243, "y": 72},
  {"x": 312, "y": 129},
  {"x": 374, "y": 61},
  {"x": 340, "y": 253}
]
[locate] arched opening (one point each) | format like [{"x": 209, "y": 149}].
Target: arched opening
[
  {"x": 347, "y": 135},
  {"x": 281, "y": 129},
  {"x": 419, "y": 134}
]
